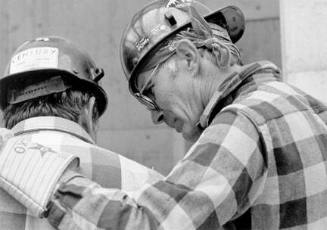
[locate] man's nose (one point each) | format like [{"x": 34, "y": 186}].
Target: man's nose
[{"x": 157, "y": 116}]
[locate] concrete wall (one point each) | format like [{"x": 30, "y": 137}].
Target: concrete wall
[
  {"x": 97, "y": 25},
  {"x": 304, "y": 36}
]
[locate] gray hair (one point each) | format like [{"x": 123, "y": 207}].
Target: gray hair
[{"x": 202, "y": 34}]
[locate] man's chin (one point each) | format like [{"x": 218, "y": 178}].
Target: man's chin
[{"x": 191, "y": 136}]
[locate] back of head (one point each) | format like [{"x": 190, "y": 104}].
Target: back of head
[{"x": 50, "y": 76}]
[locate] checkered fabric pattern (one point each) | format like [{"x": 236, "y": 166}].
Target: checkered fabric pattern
[
  {"x": 103, "y": 166},
  {"x": 260, "y": 163}
]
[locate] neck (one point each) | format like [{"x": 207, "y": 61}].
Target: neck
[
  {"x": 88, "y": 125},
  {"x": 212, "y": 82}
]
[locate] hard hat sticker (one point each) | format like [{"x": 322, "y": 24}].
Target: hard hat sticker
[
  {"x": 177, "y": 3},
  {"x": 34, "y": 58}
]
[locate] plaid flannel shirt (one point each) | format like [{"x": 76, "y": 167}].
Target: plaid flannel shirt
[
  {"x": 260, "y": 163},
  {"x": 103, "y": 166}
]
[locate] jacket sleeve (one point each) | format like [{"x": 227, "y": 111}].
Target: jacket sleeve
[{"x": 218, "y": 179}]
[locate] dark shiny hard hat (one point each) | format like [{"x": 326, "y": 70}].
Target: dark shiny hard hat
[
  {"x": 47, "y": 65},
  {"x": 162, "y": 19}
]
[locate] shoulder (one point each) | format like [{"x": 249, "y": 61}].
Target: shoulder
[{"x": 270, "y": 101}]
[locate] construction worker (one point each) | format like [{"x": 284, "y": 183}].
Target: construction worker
[
  {"x": 51, "y": 95},
  {"x": 259, "y": 156}
]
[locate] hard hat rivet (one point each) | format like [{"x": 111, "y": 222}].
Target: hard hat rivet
[{"x": 135, "y": 60}]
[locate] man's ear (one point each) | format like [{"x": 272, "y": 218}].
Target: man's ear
[
  {"x": 189, "y": 55},
  {"x": 86, "y": 119},
  {"x": 91, "y": 105}
]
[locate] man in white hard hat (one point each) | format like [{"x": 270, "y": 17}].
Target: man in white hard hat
[
  {"x": 258, "y": 161},
  {"x": 50, "y": 95}
]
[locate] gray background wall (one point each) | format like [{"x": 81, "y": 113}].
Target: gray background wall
[{"x": 96, "y": 25}]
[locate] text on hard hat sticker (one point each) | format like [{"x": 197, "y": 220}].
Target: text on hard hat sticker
[{"x": 34, "y": 58}]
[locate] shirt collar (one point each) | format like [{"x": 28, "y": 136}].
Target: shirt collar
[
  {"x": 36, "y": 124},
  {"x": 231, "y": 83}
]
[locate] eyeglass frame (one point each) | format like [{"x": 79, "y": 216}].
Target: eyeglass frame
[{"x": 145, "y": 100}]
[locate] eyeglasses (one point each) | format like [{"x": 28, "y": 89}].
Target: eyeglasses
[
  {"x": 144, "y": 99},
  {"x": 148, "y": 102}
]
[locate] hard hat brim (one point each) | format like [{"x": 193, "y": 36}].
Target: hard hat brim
[{"x": 41, "y": 74}]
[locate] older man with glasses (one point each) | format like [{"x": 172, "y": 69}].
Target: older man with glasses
[{"x": 259, "y": 156}]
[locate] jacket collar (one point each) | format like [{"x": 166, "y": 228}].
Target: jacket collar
[
  {"x": 229, "y": 85},
  {"x": 36, "y": 124}
]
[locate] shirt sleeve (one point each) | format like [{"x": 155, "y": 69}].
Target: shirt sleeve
[{"x": 219, "y": 178}]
